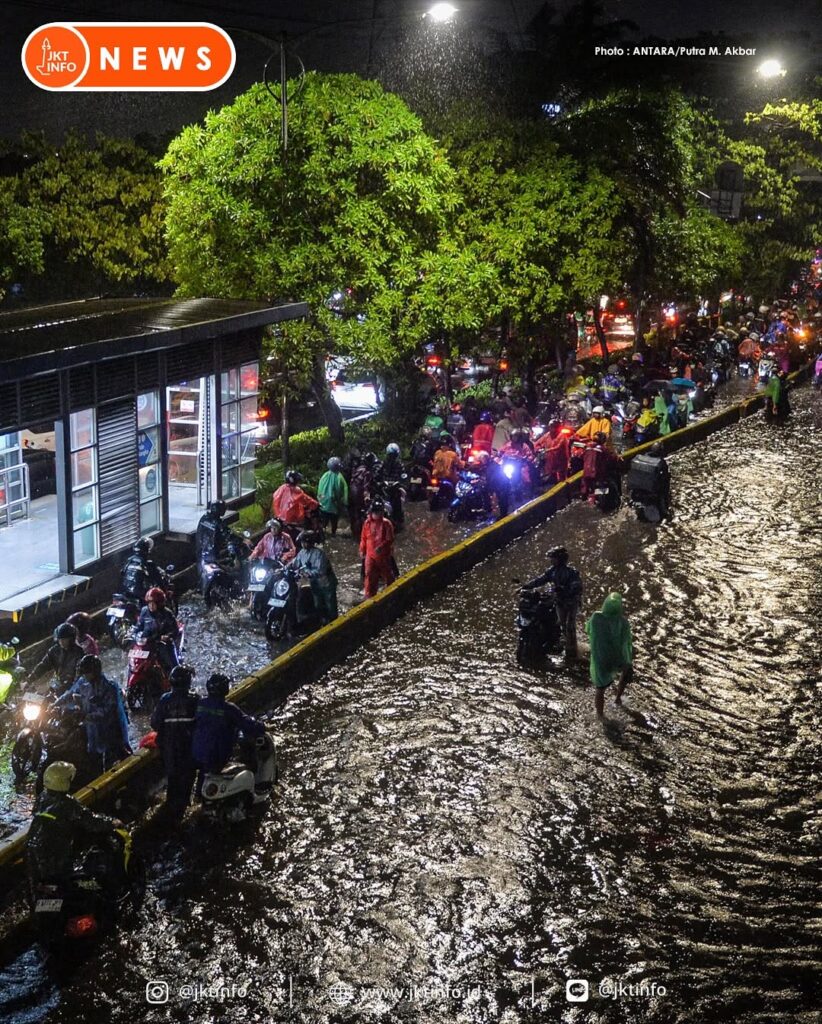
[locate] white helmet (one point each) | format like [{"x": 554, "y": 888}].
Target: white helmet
[{"x": 598, "y": 410}]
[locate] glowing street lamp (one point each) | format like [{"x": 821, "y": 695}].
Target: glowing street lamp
[
  {"x": 441, "y": 12},
  {"x": 771, "y": 68}
]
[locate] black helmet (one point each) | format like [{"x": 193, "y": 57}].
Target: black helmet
[
  {"x": 275, "y": 523},
  {"x": 90, "y": 663},
  {"x": 377, "y": 505},
  {"x": 486, "y": 417},
  {"x": 65, "y": 632},
  {"x": 309, "y": 537},
  {"x": 334, "y": 464},
  {"x": 218, "y": 685},
  {"x": 143, "y": 547},
  {"x": 217, "y": 508},
  {"x": 560, "y": 553},
  {"x": 369, "y": 459},
  {"x": 293, "y": 477},
  {"x": 446, "y": 439},
  {"x": 180, "y": 677},
  {"x": 657, "y": 449}
]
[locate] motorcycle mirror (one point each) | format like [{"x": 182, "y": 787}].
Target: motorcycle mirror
[
  {"x": 170, "y": 568},
  {"x": 247, "y": 534}
]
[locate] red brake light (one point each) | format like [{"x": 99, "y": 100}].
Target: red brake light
[
  {"x": 434, "y": 481},
  {"x": 81, "y": 927}
]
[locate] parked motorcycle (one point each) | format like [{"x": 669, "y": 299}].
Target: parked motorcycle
[
  {"x": 262, "y": 573},
  {"x": 48, "y": 734},
  {"x": 229, "y": 796},
  {"x": 221, "y": 582},
  {"x": 538, "y": 628},
  {"x": 291, "y": 608},
  {"x": 146, "y": 680},
  {"x": 471, "y": 498},
  {"x": 108, "y": 877}
]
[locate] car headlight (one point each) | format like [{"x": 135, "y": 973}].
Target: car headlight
[
  {"x": 31, "y": 712},
  {"x": 260, "y": 574},
  {"x": 281, "y": 589}
]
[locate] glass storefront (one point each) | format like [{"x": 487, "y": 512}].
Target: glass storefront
[
  {"x": 148, "y": 458},
  {"x": 239, "y": 395},
  {"x": 85, "y": 496}
]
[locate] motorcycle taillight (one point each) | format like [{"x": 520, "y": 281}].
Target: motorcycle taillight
[{"x": 81, "y": 927}]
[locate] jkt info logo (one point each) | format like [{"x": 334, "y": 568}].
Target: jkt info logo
[{"x": 134, "y": 56}]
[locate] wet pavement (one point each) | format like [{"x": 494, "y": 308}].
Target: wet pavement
[{"x": 454, "y": 839}]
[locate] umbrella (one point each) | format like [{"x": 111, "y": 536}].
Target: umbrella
[{"x": 683, "y": 382}]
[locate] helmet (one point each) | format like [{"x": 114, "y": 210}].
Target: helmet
[
  {"x": 369, "y": 459},
  {"x": 554, "y": 423},
  {"x": 456, "y": 407},
  {"x": 143, "y": 547},
  {"x": 334, "y": 464},
  {"x": 90, "y": 663},
  {"x": 218, "y": 685},
  {"x": 486, "y": 417},
  {"x": 590, "y": 382},
  {"x": 309, "y": 537},
  {"x": 518, "y": 435},
  {"x": 636, "y": 357},
  {"x": 598, "y": 410},
  {"x": 445, "y": 438},
  {"x": 65, "y": 632},
  {"x": 157, "y": 595},
  {"x": 293, "y": 477},
  {"x": 657, "y": 449},
  {"x": 81, "y": 622},
  {"x": 217, "y": 508},
  {"x": 392, "y": 449},
  {"x": 753, "y": 336},
  {"x": 377, "y": 505},
  {"x": 274, "y": 524},
  {"x": 483, "y": 458},
  {"x": 59, "y": 776},
  {"x": 180, "y": 677},
  {"x": 560, "y": 553}
]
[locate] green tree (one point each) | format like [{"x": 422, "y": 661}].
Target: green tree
[
  {"x": 21, "y": 234},
  {"x": 359, "y": 201},
  {"x": 103, "y": 204}
]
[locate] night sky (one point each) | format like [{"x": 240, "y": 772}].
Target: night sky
[{"x": 375, "y": 24}]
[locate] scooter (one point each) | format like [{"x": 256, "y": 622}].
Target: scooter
[
  {"x": 220, "y": 583},
  {"x": 48, "y": 734},
  {"x": 440, "y": 493},
  {"x": 108, "y": 877},
  {"x": 124, "y": 611},
  {"x": 539, "y": 631},
  {"x": 146, "y": 680},
  {"x": 291, "y": 608},
  {"x": 229, "y": 796},
  {"x": 521, "y": 476},
  {"x": 471, "y": 498},
  {"x": 419, "y": 476},
  {"x": 262, "y": 573}
]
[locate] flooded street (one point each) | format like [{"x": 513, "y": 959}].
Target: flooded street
[{"x": 454, "y": 838}]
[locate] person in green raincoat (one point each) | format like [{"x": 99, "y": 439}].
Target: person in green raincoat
[
  {"x": 612, "y": 649},
  {"x": 776, "y": 402},
  {"x": 661, "y": 410},
  {"x": 332, "y": 494}
]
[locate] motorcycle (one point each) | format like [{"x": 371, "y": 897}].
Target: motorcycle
[
  {"x": 577, "y": 456},
  {"x": 261, "y": 575},
  {"x": 645, "y": 489},
  {"x": 745, "y": 368},
  {"x": 419, "y": 477},
  {"x": 124, "y": 611},
  {"x": 521, "y": 475},
  {"x": 220, "y": 583},
  {"x": 313, "y": 521},
  {"x": 48, "y": 734},
  {"x": 471, "y": 498},
  {"x": 440, "y": 492},
  {"x": 538, "y": 627},
  {"x": 291, "y": 608},
  {"x": 146, "y": 678},
  {"x": 230, "y": 795},
  {"x": 108, "y": 877},
  {"x": 393, "y": 493}
]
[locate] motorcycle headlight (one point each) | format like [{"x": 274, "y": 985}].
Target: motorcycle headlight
[
  {"x": 31, "y": 712},
  {"x": 281, "y": 588},
  {"x": 508, "y": 469},
  {"x": 260, "y": 574}
]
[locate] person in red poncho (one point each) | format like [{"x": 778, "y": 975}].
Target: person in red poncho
[
  {"x": 555, "y": 447},
  {"x": 290, "y": 504},
  {"x": 377, "y": 549}
]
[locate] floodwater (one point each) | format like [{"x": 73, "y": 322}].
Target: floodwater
[{"x": 454, "y": 839}]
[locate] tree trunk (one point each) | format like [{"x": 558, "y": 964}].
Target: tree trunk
[
  {"x": 285, "y": 431},
  {"x": 328, "y": 407}
]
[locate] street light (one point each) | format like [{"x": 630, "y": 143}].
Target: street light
[
  {"x": 441, "y": 12},
  {"x": 771, "y": 68}
]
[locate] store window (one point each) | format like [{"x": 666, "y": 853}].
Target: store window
[
  {"x": 12, "y": 491},
  {"x": 239, "y": 389},
  {"x": 85, "y": 490},
  {"x": 148, "y": 459}
]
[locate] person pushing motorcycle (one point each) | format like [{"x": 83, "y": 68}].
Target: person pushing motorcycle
[{"x": 567, "y": 584}]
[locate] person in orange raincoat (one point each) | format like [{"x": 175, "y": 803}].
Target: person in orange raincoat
[
  {"x": 377, "y": 549},
  {"x": 290, "y": 504},
  {"x": 555, "y": 446}
]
